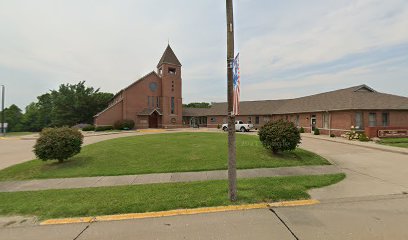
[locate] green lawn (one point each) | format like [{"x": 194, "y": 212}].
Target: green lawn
[
  {"x": 396, "y": 142},
  {"x": 158, "y": 153},
  {"x": 157, "y": 197}
]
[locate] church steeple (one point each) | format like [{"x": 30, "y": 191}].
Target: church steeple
[{"x": 169, "y": 57}]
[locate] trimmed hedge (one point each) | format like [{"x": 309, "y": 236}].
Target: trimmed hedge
[
  {"x": 103, "y": 128},
  {"x": 124, "y": 124},
  {"x": 88, "y": 128},
  {"x": 58, "y": 143},
  {"x": 279, "y": 136}
]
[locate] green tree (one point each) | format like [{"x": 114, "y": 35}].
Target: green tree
[
  {"x": 45, "y": 110},
  {"x": 31, "y": 121},
  {"x": 13, "y": 116},
  {"x": 73, "y": 104},
  {"x": 197, "y": 105}
]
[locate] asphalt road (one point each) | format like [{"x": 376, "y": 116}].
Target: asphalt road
[{"x": 371, "y": 203}]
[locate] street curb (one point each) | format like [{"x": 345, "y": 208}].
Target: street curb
[{"x": 179, "y": 212}]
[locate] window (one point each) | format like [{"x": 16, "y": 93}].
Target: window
[
  {"x": 372, "y": 119},
  {"x": 158, "y": 102},
  {"x": 160, "y": 71},
  {"x": 172, "y": 71},
  {"x": 266, "y": 119},
  {"x": 297, "y": 121},
  {"x": 257, "y": 120},
  {"x": 213, "y": 119},
  {"x": 326, "y": 120},
  {"x": 172, "y": 105},
  {"x": 385, "y": 119},
  {"x": 148, "y": 101},
  {"x": 359, "y": 120},
  {"x": 224, "y": 120}
]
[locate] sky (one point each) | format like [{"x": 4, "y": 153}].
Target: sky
[{"x": 287, "y": 49}]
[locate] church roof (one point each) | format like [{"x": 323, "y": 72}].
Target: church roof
[
  {"x": 360, "y": 97},
  {"x": 169, "y": 57}
]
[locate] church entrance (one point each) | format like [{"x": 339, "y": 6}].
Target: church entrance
[{"x": 154, "y": 120}]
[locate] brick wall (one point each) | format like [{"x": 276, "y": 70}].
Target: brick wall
[{"x": 110, "y": 115}]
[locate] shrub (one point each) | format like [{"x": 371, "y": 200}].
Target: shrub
[
  {"x": 124, "y": 124},
  {"x": 332, "y": 135},
  {"x": 363, "y": 138},
  {"x": 219, "y": 126},
  {"x": 88, "y": 128},
  {"x": 103, "y": 128},
  {"x": 279, "y": 136},
  {"x": 58, "y": 144},
  {"x": 316, "y": 131},
  {"x": 302, "y": 130}
]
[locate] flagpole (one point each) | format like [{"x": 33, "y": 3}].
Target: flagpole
[{"x": 232, "y": 169}]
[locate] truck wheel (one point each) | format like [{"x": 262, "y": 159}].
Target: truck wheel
[
  {"x": 225, "y": 129},
  {"x": 243, "y": 129}
]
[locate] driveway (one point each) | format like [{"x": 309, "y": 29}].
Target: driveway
[{"x": 370, "y": 172}]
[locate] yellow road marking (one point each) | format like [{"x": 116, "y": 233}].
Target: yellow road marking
[
  {"x": 178, "y": 212},
  {"x": 294, "y": 203}
]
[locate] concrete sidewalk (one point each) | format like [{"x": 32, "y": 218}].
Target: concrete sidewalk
[{"x": 104, "y": 181}]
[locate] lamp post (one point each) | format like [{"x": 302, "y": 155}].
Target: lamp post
[{"x": 3, "y": 89}]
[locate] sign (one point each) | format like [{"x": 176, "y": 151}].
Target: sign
[{"x": 393, "y": 133}]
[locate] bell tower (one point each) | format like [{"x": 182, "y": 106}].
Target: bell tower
[{"x": 169, "y": 70}]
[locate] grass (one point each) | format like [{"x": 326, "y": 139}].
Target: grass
[
  {"x": 157, "y": 197},
  {"x": 159, "y": 153},
  {"x": 395, "y": 142}
]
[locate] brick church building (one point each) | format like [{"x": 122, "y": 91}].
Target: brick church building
[{"x": 153, "y": 101}]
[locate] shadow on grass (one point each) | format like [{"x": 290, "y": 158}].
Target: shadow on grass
[{"x": 74, "y": 162}]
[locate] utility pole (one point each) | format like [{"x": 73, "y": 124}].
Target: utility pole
[
  {"x": 232, "y": 164},
  {"x": 3, "y": 131}
]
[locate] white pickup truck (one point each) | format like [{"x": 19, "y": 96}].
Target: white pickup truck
[{"x": 239, "y": 126}]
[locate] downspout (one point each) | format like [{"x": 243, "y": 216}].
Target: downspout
[{"x": 329, "y": 122}]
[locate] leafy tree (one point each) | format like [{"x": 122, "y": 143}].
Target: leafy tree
[
  {"x": 279, "y": 136},
  {"x": 45, "y": 110},
  {"x": 197, "y": 105},
  {"x": 73, "y": 104},
  {"x": 67, "y": 106},
  {"x": 13, "y": 116}
]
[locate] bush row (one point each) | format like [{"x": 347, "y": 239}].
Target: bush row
[
  {"x": 103, "y": 128},
  {"x": 119, "y": 125}
]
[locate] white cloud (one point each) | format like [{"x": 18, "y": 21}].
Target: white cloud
[{"x": 111, "y": 43}]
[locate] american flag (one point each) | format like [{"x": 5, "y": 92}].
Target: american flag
[{"x": 237, "y": 83}]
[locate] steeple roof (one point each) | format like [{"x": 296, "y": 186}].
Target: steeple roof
[{"x": 169, "y": 57}]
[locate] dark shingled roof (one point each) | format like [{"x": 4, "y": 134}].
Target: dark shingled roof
[
  {"x": 148, "y": 112},
  {"x": 359, "y": 97},
  {"x": 169, "y": 57},
  {"x": 195, "y": 112}
]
